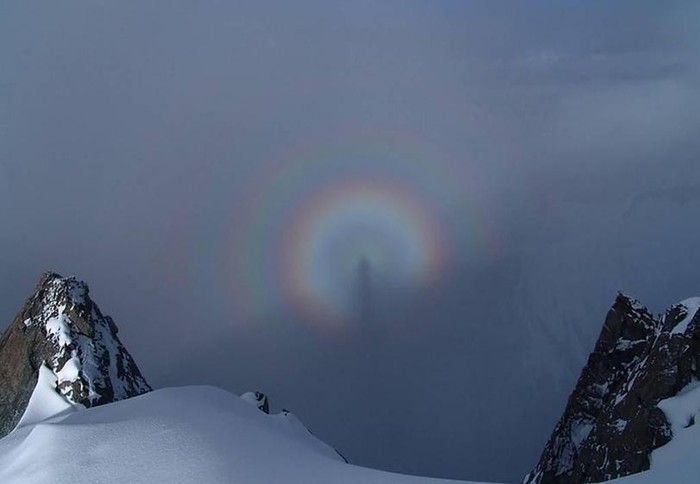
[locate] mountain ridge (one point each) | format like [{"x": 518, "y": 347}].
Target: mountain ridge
[{"x": 612, "y": 421}]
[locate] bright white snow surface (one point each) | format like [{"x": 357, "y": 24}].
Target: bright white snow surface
[
  {"x": 178, "y": 435},
  {"x": 45, "y": 401}
]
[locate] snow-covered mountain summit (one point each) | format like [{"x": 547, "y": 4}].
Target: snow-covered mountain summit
[
  {"x": 637, "y": 393},
  {"x": 60, "y": 340}
]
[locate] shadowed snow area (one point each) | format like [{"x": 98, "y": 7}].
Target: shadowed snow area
[{"x": 179, "y": 435}]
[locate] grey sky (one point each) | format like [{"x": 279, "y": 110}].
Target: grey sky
[{"x": 555, "y": 140}]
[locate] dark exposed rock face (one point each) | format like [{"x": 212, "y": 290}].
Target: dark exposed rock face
[
  {"x": 612, "y": 423},
  {"x": 258, "y": 399},
  {"x": 61, "y": 327}
]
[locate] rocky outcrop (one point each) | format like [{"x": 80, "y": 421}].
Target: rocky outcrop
[
  {"x": 61, "y": 328},
  {"x": 612, "y": 421},
  {"x": 258, "y": 399}
]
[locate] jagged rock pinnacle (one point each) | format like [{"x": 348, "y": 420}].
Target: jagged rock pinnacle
[
  {"x": 612, "y": 421},
  {"x": 61, "y": 328}
]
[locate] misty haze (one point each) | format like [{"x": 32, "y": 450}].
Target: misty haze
[{"x": 405, "y": 222}]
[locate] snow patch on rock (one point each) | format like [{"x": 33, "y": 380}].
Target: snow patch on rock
[{"x": 690, "y": 306}]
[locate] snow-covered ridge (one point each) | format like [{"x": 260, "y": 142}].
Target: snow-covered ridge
[{"x": 179, "y": 435}]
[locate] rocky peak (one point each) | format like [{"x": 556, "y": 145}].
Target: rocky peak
[
  {"x": 62, "y": 329},
  {"x": 612, "y": 421}
]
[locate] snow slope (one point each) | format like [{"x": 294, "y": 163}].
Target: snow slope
[{"x": 178, "y": 435}]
